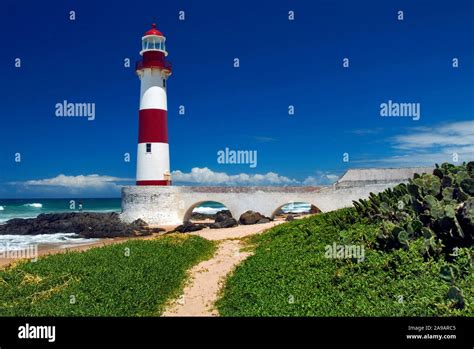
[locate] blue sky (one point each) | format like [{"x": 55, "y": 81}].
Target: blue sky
[{"x": 282, "y": 63}]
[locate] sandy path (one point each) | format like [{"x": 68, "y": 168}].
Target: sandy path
[
  {"x": 205, "y": 282},
  {"x": 207, "y": 277},
  {"x": 237, "y": 232}
]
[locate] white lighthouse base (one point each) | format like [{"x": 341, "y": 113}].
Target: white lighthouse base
[{"x": 156, "y": 205}]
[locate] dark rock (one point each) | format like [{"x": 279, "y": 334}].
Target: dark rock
[
  {"x": 202, "y": 216},
  {"x": 279, "y": 212},
  {"x": 225, "y": 213},
  {"x": 188, "y": 226},
  {"x": 85, "y": 224},
  {"x": 251, "y": 217},
  {"x": 264, "y": 220},
  {"x": 223, "y": 216},
  {"x": 196, "y": 216},
  {"x": 289, "y": 218},
  {"x": 140, "y": 223},
  {"x": 229, "y": 222}
]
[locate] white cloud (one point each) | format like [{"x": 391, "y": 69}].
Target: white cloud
[
  {"x": 92, "y": 185},
  {"x": 366, "y": 131},
  {"x": 95, "y": 185},
  {"x": 423, "y": 146},
  {"x": 264, "y": 139},
  {"x": 444, "y": 135},
  {"x": 93, "y": 181},
  {"x": 320, "y": 178},
  {"x": 207, "y": 176}
]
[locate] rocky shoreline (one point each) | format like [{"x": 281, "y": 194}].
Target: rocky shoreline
[
  {"x": 84, "y": 224},
  {"x": 109, "y": 225}
]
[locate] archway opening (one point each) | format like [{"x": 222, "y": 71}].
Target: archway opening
[
  {"x": 206, "y": 212},
  {"x": 294, "y": 209}
]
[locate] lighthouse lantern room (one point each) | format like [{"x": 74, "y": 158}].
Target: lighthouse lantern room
[{"x": 153, "y": 162}]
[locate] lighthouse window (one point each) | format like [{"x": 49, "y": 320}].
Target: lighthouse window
[{"x": 148, "y": 147}]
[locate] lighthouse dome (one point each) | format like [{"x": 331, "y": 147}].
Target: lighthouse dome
[
  {"x": 153, "y": 41},
  {"x": 153, "y": 31}
]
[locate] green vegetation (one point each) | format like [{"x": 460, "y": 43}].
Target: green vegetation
[
  {"x": 418, "y": 257},
  {"x": 438, "y": 207},
  {"x": 135, "y": 278}
]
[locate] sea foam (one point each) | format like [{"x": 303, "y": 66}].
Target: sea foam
[
  {"x": 17, "y": 242},
  {"x": 208, "y": 210},
  {"x": 35, "y": 205}
]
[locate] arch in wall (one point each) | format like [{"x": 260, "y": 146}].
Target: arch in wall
[
  {"x": 189, "y": 212},
  {"x": 312, "y": 209}
]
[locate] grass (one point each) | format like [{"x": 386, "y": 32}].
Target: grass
[
  {"x": 135, "y": 278},
  {"x": 289, "y": 275}
]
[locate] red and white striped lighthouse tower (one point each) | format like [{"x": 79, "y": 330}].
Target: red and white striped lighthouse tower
[{"x": 153, "y": 160}]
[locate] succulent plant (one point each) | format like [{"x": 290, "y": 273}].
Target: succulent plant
[
  {"x": 438, "y": 172},
  {"x": 429, "y": 184},
  {"x": 455, "y": 294},
  {"x": 448, "y": 274},
  {"x": 447, "y": 181},
  {"x": 470, "y": 167},
  {"x": 467, "y": 185},
  {"x": 447, "y": 194},
  {"x": 438, "y": 206},
  {"x": 401, "y": 236}
]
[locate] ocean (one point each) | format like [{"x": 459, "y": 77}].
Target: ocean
[{"x": 31, "y": 208}]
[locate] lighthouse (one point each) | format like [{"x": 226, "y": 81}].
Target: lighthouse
[{"x": 153, "y": 160}]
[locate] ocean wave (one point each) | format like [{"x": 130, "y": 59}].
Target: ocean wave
[
  {"x": 35, "y": 205},
  {"x": 2, "y": 208},
  {"x": 208, "y": 210},
  {"x": 6, "y": 218},
  {"x": 18, "y": 242},
  {"x": 296, "y": 207}
]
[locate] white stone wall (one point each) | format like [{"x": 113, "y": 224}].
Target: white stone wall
[{"x": 170, "y": 205}]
